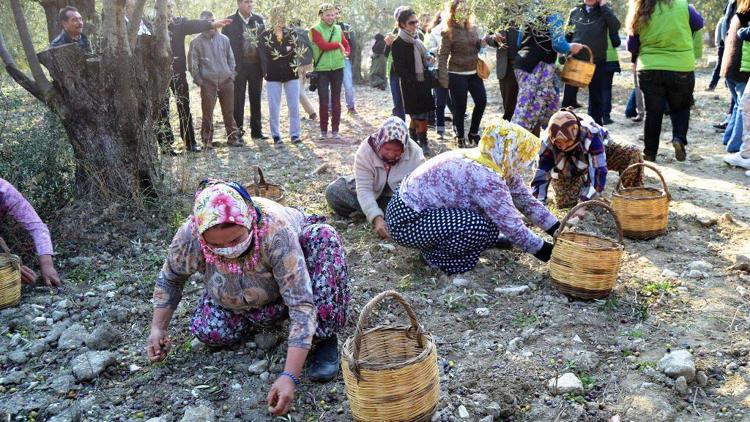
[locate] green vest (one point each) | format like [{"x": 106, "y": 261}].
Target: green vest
[
  {"x": 332, "y": 59},
  {"x": 745, "y": 63},
  {"x": 666, "y": 41},
  {"x": 611, "y": 52}
]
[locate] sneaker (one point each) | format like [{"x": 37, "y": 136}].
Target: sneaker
[
  {"x": 722, "y": 125},
  {"x": 324, "y": 360},
  {"x": 313, "y": 116},
  {"x": 296, "y": 139},
  {"x": 737, "y": 160},
  {"x": 637, "y": 119},
  {"x": 352, "y": 110},
  {"x": 277, "y": 140},
  {"x": 679, "y": 150},
  {"x": 323, "y": 135},
  {"x": 335, "y": 135}
]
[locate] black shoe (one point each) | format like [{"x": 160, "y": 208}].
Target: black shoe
[
  {"x": 277, "y": 140},
  {"x": 260, "y": 137},
  {"x": 324, "y": 360},
  {"x": 503, "y": 243},
  {"x": 679, "y": 150},
  {"x": 607, "y": 121},
  {"x": 576, "y": 105},
  {"x": 474, "y": 139},
  {"x": 722, "y": 126},
  {"x": 710, "y": 88},
  {"x": 649, "y": 157},
  {"x": 461, "y": 142},
  {"x": 637, "y": 119},
  {"x": 296, "y": 139}
]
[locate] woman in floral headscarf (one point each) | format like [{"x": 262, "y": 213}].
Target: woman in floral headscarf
[
  {"x": 382, "y": 161},
  {"x": 462, "y": 202},
  {"x": 261, "y": 262}
]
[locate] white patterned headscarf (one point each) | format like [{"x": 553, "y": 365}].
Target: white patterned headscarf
[{"x": 393, "y": 129}]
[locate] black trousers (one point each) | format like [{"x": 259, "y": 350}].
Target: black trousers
[
  {"x": 716, "y": 74},
  {"x": 250, "y": 78},
  {"x": 677, "y": 89},
  {"x": 509, "y": 92},
  {"x": 597, "y": 94},
  {"x": 179, "y": 86}
]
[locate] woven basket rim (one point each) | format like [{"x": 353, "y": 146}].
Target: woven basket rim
[
  {"x": 9, "y": 260},
  {"x": 623, "y": 193},
  {"x": 347, "y": 350},
  {"x": 616, "y": 245}
]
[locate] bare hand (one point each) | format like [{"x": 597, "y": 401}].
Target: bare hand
[
  {"x": 158, "y": 345},
  {"x": 389, "y": 39},
  {"x": 499, "y": 38},
  {"x": 220, "y": 23},
  {"x": 281, "y": 396},
  {"x": 28, "y": 276},
  {"x": 602, "y": 2},
  {"x": 575, "y": 47},
  {"x": 49, "y": 273},
  {"x": 381, "y": 229}
]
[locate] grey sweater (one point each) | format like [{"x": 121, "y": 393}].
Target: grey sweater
[{"x": 211, "y": 58}]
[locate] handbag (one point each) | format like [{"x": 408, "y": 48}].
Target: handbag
[
  {"x": 314, "y": 75},
  {"x": 483, "y": 69}
]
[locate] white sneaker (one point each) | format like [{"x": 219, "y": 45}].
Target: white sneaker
[
  {"x": 737, "y": 160},
  {"x": 747, "y": 173}
]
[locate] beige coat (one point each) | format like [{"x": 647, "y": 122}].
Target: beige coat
[{"x": 370, "y": 176}]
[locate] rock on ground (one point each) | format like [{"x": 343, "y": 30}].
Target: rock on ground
[
  {"x": 678, "y": 363},
  {"x": 680, "y": 384},
  {"x": 512, "y": 290},
  {"x": 648, "y": 407},
  {"x": 567, "y": 383},
  {"x": 90, "y": 364},
  {"x": 72, "y": 338},
  {"x": 198, "y": 414},
  {"x": 104, "y": 337}
]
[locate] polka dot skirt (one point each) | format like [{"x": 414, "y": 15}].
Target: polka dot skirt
[{"x": 450, "y": 239}]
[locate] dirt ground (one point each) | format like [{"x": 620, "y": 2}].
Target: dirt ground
[{"x": 687, "y": 290}]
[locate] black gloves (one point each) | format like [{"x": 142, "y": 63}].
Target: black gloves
[
  {"x": 545, "y": 253},
  {"x": 551, "y": 231}
]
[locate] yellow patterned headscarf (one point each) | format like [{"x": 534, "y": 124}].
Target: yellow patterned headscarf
[{"x": 506, "y": 148}]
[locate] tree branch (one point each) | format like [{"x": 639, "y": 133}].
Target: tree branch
[
  {"x": 114, "y": 31},
  {"x": 163, "y": 49},
  {"x": 42, "y": 84},
  {"x": 15, "y": 73},
  {"x": 135, "y": 22}
]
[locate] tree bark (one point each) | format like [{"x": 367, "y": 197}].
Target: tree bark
[
  {"x": 40, "y": 79},
  {"x": 356, "y": 55}
]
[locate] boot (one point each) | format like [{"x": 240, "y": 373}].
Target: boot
[
  {"x": 413, "y": 134},
  {"x": 425, "y": 144},
  {"x": 474, "y": 139},
  {"x": 461, "y": 142},
  {"x": 324, "y": 360}
]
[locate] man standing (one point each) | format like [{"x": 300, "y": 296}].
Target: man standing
[
  {"x": 179, "y": 28},
  {"x": 506, "y": 43},
  {"x": 348, "y": 82},
  {"x": 243, "y": 33},
  {"x": 212, "y": 66},
  {"x": 72, "y": 23}
]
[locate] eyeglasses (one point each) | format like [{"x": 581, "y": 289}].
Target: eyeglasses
[{"x": 412, "y": 22}]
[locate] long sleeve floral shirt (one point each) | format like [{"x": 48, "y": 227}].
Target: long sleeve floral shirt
[
  {"x": 281, "y": 273},
  {"x": 14, "y": 204},
  {"x": 450, "y": 180}
]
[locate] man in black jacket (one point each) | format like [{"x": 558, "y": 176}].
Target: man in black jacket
[
  {"x": 178, "y": 28},
  {"x": 506, "y": 43},
  {"x": 243, "y": 32},
  {"x": 593, "y": 22}
]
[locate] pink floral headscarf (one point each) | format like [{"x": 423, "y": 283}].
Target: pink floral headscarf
[{"x": 219, "y": 203}]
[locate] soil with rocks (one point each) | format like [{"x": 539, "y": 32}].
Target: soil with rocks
[{"x": 670, "y": 342}]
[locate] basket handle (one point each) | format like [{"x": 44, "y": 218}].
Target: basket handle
[
  {"x": 260, "y": 175},
  {"x": 415, "y": 328},
  {"x": 649, "y": 166},
  {"x": 256, "y": 188},
  {"x": 587, "y": 204},
  {"x": 6, "y": 251},
  {"x": 591, "y": 53}
]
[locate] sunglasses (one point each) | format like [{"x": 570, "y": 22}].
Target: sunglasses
[{"x": 412, "y": 22}]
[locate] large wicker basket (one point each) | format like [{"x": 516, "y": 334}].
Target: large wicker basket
[
  {"x": 391, "y": 373},
  {"x": 261, "y": 188},
  {"x": 642, "y": 211},
  {"x": 10, "y": 277},
  {"x": 577, "y": 72},
  {"x": 585, "y": 265}
]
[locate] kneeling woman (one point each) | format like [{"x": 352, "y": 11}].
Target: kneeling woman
[
  {"x": 382, "y": 161},
  {"x": 576, "y": 154},
  {"x": 260, "y": 262},
  {"x": 460, "y": 203}
]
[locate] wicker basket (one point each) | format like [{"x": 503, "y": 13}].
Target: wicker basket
[
  {"x": 266, "y": 190},
  {"x": 391, "y": 373},
  {"x": 585, "y": 265},
  {"x": 642, "y": 211},
  {"x": 10, "y": 277},
  {"x": 577, "y": 72}
]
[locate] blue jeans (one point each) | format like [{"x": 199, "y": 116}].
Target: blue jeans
[
  {"x": 348, "y": 84},
  {"x": 733, "y": 133},
  {"x": 398, "y": 102},
  {"x": 291, "y": 91}
]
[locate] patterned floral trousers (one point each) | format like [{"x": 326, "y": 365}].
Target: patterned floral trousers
[
  {"x": 324, "y": 254},
  {"x": 619, "y": 157},
  {"x": 450, "y": 239},
  {"x": 538, "y": 98}
]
